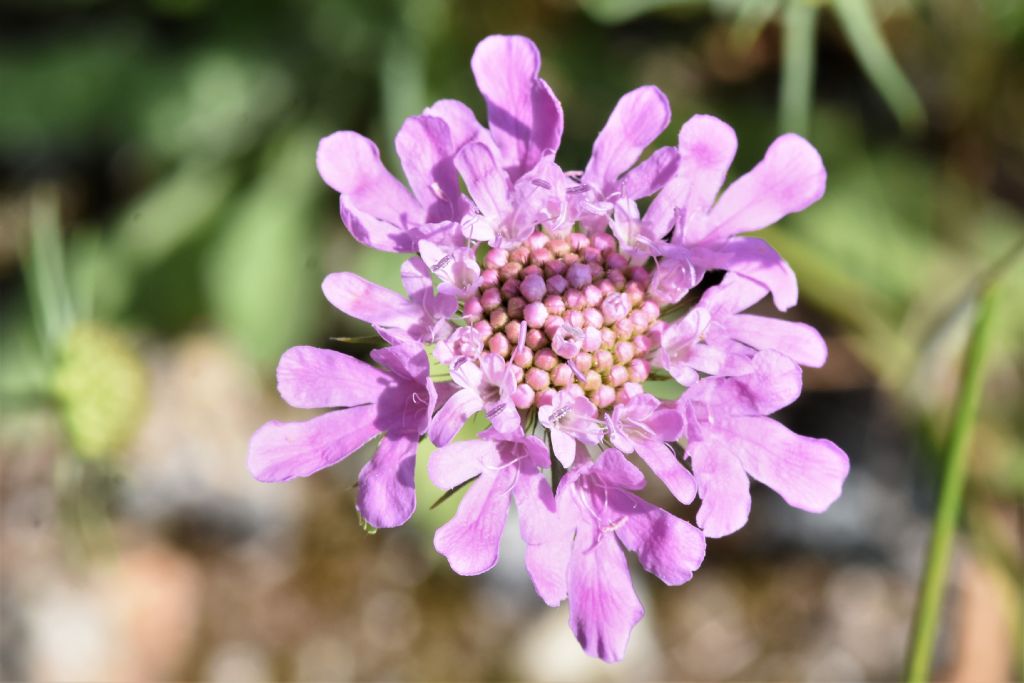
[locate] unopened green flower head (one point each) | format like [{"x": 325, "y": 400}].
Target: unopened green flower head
[{"x": 100, "y": 385}]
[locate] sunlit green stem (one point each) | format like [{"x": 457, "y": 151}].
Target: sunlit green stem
[
  {"x": 50, "y": 299},
  {"x": 929, "y": 605},
  {"x": 796, "y": 90},
  {"x": 862, "y": 30}
]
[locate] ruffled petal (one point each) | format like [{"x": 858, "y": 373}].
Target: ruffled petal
[
  {"x": 790, "y": 178},
  {"x": 707, "y": 147},
  {"x": 613, "y": 468},
  {"x": 459, "y": 462},
  {"x": 308, "y": 377},
  {"x": 808, "y": 473},
  {"x": 548, "y": 566},
  {"x": 462, "y": 124},
  {"x": 416, "y": 279},
  {"x": 471, "y": 539},
  {"x": 662, "y": 461},
  {"x": 734, "y": 294},
  {"x": 661, "y": 215},
  {"x": 799, "y": 341},
  {"x": 547, "y": 532},
  {"x": 488, "y": 185},
  {"x": 524, "y": 116},
  {"x": 504, "y": 417},
  {"x": 666, "y": 423},
  {"x": 376, "y": 233},
  {"x": 564, "y": 447},
  {"x": 774, "y": 382},
  {"x": 350, "y": 163},
  {"x": 535, "y": 504},
  {"x": 425, "y": 149},
  {"x": 756, "y": 260},
  {"x": 651, "y": 174},
  {"x": 666, "y": 546},
  {"x": 369, "y": 302},
  {"x": 638, "y": 118},
  {"x": 407, "y": 360},
  {"x": 280, "y": 451},
  {"x": 387, "y": 484},
  {"x": 453, "y": 415},
  {"x": 723, "y": 487},
  {"x": 603, "y": 607}
]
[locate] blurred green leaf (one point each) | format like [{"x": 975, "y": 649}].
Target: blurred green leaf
[
  {"x": 24, "y": 369},
  {"x": 799, "y": 45},
  {"x": 261, "y": 273},
  {"x": 751, "y": 18},
  {"x": 861, "y": 29},
  {"x": 216, "y": 105},
  {"x": 71, "y": 90},
  {"x": 620, "y": 11},
  {"x": 46, "y": 273},
  {"x": 954, "y": 477},
  {"x": 171, "y": 214}
]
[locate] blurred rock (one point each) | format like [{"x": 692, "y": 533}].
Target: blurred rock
[
  {"x": 132, "y": 618},
  {"x": 187, "y": 470},
  {"x": 546, "y": 650},
  {"x": 324, "y": 658},
  {"x": 235, "y": 661},
  {"x": 709, "y": 618},
  {"x": 984, "y": 626}
]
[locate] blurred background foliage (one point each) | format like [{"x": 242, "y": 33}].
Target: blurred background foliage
[{"x": 163, "y": 234}]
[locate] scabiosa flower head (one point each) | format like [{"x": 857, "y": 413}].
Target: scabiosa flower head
[{"x": 547, "y": 298}]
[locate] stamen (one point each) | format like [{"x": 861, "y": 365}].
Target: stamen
[
  {"x": 444, "y": 261},
  {"x": 559, "y": 414},
  {"x": 576, "y": 371},
  {"x": 515, "y": 480},
  {"x": 617, "y": 524},
  {"x": 436, "y": 189}
]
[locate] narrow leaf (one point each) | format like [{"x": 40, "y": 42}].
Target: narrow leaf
[{"x": 861, "y": 28}]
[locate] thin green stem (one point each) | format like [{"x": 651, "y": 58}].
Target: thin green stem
[
  {"x": 862, "y": 30},
  {"x": 50, "y": 301},
  {"x": 929, "y": 605},
  {"x": 796, "y": 88}
]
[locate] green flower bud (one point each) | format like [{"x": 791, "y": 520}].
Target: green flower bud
[{"x": 100, "y": 386}]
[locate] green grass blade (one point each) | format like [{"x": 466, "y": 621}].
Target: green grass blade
[
  {"x": 46, "y": 280},
  {"x": 947, "y": 515},
  {"x": 868, "y": 44},
  {"x": 796, "y": 88}
]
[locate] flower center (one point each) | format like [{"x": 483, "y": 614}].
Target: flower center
[{"x": 587, "y": 320}]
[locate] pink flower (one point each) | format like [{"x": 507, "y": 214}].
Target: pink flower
[
  {"x": 463, "y": 344},
  {"x": 717, "y": 339},
  {"x": 570, "y": 419},
  {"x": 397, "y": 401},
  {"x": 455, "y": 267},
  {"x": 505, "y": 466},
  {"x": 729, "y": 438},
  {"x": 553, "y": 327},
  {"x": 421, "y": 318},
  {"x": 790, "y": 178},
  {"x": 582, "y": 558},
  {"x": 644, "y": 425},
  {"x": 487, "y": 387}
]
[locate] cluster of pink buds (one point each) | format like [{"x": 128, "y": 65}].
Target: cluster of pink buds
[
  {"x": 571, "y": 314},
  {"x": 550, "y": 333}
]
